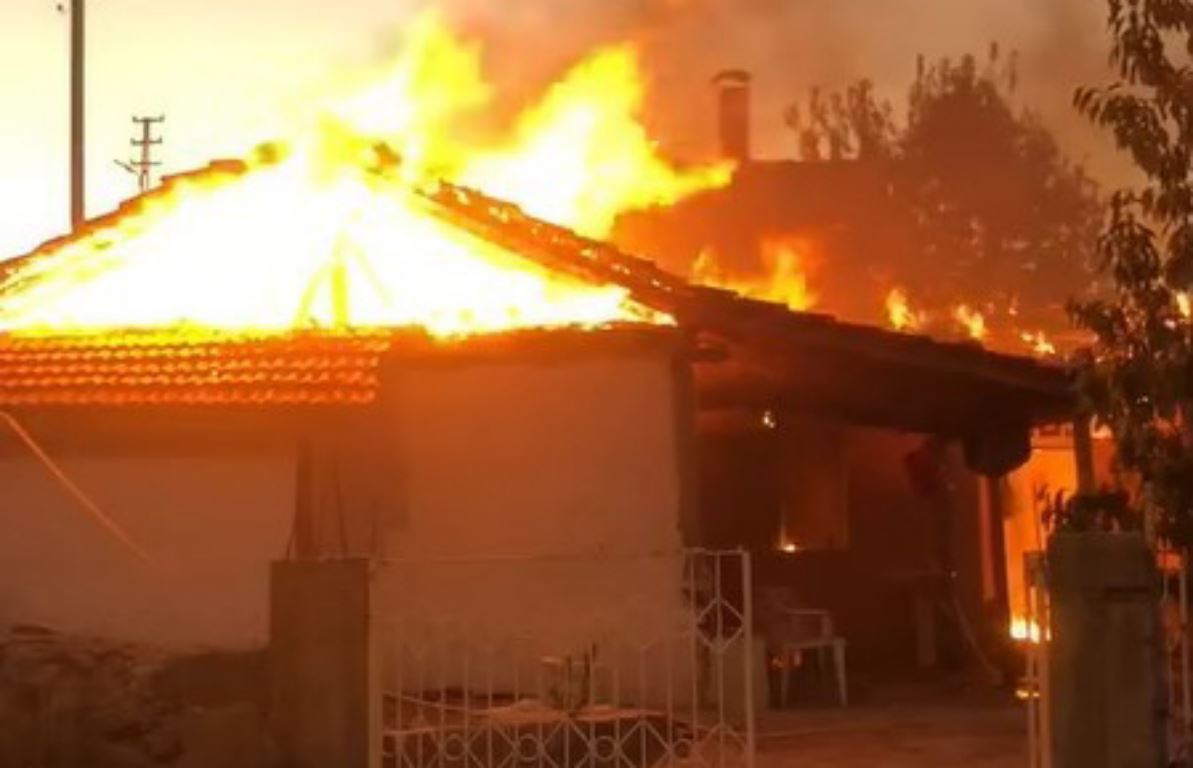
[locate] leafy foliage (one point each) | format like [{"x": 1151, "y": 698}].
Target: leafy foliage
[
  {"x": 1107, "y": 510},
  {"x": 853, "y": 124},
  {"x": 996, "y": 212},
  {"x": 1138, "y": 377}
]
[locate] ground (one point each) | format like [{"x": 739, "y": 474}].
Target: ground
[
  {"x": 982, "y": 730},
  {"x": 69, "y": 701}
]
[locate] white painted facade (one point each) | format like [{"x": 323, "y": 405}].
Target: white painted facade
[
  {"x": 576, "y": 455},
  {"x": 531, "y": 498},
  {"x": 210, "y": 524}
]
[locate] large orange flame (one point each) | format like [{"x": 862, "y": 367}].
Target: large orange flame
[
  {"x": 581, "y": 157},
  {"x": 321, "y": 233},
  {"x": 784, "y": 281}
]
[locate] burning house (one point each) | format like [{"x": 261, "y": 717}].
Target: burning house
[
  {"x": 687, "y": 416},
  {"x": 319, "y": 354}
]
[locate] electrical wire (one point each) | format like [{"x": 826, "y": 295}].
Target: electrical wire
[{"x": 73, "y": 490}]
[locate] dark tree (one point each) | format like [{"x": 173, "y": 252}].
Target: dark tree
[
  {"x": 837, "y": 126},
  {"x": 997, "y": 216},
  {"x": 1138, "y": 377},
  {"x": 1001, "y": 213}
]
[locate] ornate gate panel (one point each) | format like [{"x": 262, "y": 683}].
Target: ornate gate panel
[{"x": 614, "y": 662}]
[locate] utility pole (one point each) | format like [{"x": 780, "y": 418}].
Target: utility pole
[
  {"x": 143, "y": 167},
  {"x": 78, "y": 37}
]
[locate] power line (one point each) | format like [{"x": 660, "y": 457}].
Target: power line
[{"x": 142, "y": 167}]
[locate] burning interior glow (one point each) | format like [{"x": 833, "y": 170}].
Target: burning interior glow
[
  {"x": 1183, "y": 304},
  {"x": 1024, "y": 630},
  {"x": 331, "y": 229}
]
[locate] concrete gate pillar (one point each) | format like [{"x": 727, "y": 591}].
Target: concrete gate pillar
[
  {"x": 325, "y": 706},
  {"x": 1108, "y": 701}
]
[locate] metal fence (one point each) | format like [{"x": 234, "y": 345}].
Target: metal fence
[{"x": 603, "y": 662}]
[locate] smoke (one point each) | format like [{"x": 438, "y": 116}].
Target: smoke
[{"x": 792, "y": 46}]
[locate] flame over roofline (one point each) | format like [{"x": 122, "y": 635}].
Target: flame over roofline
[
  {"x": 554, "y": 247},
  {"x": 763, "y": 329},
  {"x": 230, "y": 168},
  {"x": 369, "y": 248}
]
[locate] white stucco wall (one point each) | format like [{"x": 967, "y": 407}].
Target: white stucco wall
[
  {"x": 538, "y": 513},
  {"x": 571, "y": 456},
  {"x": 211, "y": 525}
]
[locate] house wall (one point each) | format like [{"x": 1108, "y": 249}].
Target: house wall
[
  {"x": 571, "y": 456},
  {"x": 537, "y": 499},
  {"x": 210, "y": 523},
  {"x": 556, "y": 456}
]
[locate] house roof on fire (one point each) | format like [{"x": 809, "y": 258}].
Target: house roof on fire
[{"x": 746, "y": 353}]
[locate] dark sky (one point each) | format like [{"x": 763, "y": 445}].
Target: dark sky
[{"x": 229, "y": 73}]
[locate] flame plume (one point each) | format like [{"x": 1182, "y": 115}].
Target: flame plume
[
  {"x": 330, "y": 228},
  {"x": 971, "y": 320},
  {"x": 785, "y": 280},
  {"x": 899, "y": 312}
]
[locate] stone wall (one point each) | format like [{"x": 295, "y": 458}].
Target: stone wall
[{"x": 69, "y": 701}]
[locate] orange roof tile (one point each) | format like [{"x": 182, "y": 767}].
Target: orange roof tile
[{"x": 139, "y": 369}]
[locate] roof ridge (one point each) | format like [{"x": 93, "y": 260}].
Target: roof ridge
[
  {"x": 557, "y": 247},
  {"x": 561, "y": 249}
]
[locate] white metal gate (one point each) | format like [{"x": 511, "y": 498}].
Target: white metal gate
[{"x": 604, "y": 662}]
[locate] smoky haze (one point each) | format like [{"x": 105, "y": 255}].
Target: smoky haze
[{"x": 793, "y": 45}]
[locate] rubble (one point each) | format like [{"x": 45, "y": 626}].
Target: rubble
[{"x": 68, "y": 701}]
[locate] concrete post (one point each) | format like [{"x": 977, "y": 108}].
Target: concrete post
[
  {"x": 1108, "y": 698},
  {"x": 325, "y": 705}
]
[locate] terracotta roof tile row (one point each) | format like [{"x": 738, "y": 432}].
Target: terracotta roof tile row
[
  {"x": 116, "y": 396},
  {"x": 280, "y": 370}
]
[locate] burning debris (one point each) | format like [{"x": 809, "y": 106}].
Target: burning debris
[
  {"x": 972, "y": 321},
  {"x": 902, "y": 317},
  {"x": 1039, "y": 343}
]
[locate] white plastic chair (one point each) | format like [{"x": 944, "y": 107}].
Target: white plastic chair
[{"x": 811, "y": 630}]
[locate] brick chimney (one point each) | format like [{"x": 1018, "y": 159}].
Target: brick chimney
[{"x": 733, "y": 113}]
